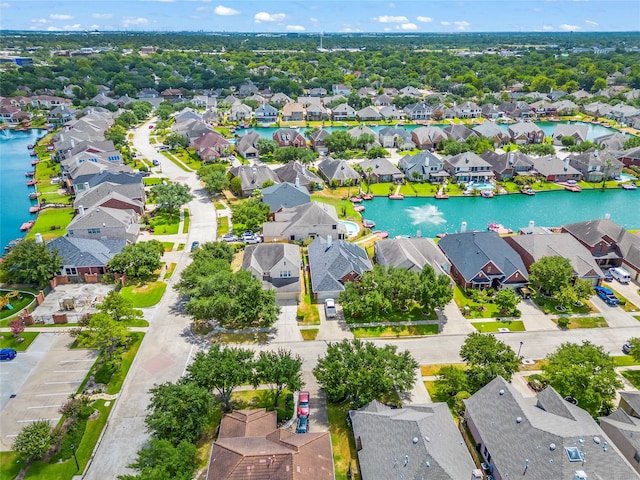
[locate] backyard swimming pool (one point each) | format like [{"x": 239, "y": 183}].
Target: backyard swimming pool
[{"x": 352, "y": 227}]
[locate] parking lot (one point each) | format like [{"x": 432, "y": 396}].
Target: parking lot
[{"x": 38, "y": 382}]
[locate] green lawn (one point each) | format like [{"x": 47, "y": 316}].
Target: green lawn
[
  {"x": 263, "y": 399},
  {"x": 127, "y": 359},
  {"x": 168, "y": 246},
  {"x": 473, "y": 309},
  {"x": 548, "y": 306},
  {"x": 223, "y": 226},
  {"x": 381, "y": 188},
  {"x": 52, "y": 223},
  {"x": 308, "y": 312},
  {"x": 488, "y": 327},
  {"x": 411, "y": 189},
  {"x": 176, "y": 161},
  {"x": 399, "y": 331},
  {"x": 433, "y": 369},
  {"x": 165, "y": 224},
  {"x": 187, "y": 221},
  {"x": 170, "y": 270},
  {"x": 339, "y": 198},
  {"x": 9, "y": 465},
  {"x": 146, "y": 295},
  {"x": 151, "y": 181},
  {"x": 625, "y": 360},
  {"x": 585, "y": 322},
  {"x": 8, "y": 341},
  {"x": 309, "y": 333},
  {"x": 342, "y": 442},
  {"x": 633, "y": 376},
  {"x": 17, "y": 304}
]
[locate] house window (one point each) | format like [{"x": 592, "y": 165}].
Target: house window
[
  {"x": 70, "y": 271},
  {"x": 93, "y": 230},
  {"x": 285, "y": 274},
  {"x": 334, "y": 227}
]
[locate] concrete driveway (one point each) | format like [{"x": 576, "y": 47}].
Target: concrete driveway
[
  {"x": 55, "y": 373},
  {"x": 286, "y": 326}
]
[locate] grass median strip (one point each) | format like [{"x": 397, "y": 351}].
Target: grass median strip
[
  {"x": 490, "y": 327},
  {"x": 7, "y": 340}
]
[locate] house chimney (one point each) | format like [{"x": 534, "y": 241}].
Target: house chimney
[
  {"x": 607, "y": 216},
  {"x": 86, "y": 186},
  {"x": 532, "y": 224},
  {"x": 81, "y": 210},
  {"x": 463, "y": 227},
  {"x": 297, "y": 181},
  {"x": 329, "y": 242},
  {"x": 566, "y": 164},
  {"x": 39, "y": 238}
]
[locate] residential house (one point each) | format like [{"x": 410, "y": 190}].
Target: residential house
[
  {"x": 105, "y": 223},
  {"x": 483, "y": 260},
  {"x": 368, "y": 114},
  {"x": 247, "y": 89},
  {"x": 391, "y": 113},
  {"x": 80, "y": 177},
  {"x": 382, "y": 100},
  {"x": 296, "y": 172},
  {"x": 630, "y": 157},
  {"x": 532, "y": 248},
  {"x": 467, "y": 110},
  {"x": 309, "y": 101},
  {"x": 61, "y": 114},
  {"x": 84, "y": 256},
  {"x": 524, "y": 133},
  {"x": 410, "y": 92},
  {"x": 285, "y": 195},
  {"x": 266, "y": 114},
  {"x": 630, "y": 403},
  {"x": 281, "y": 98},
  {"x": 424, "y": 166},
  {"x": 417, "y": 441},
  {"x": 287, "y": 137},
  {"x": 211, "y": 146},
  {"x": 339, "y": 89},
  {"x": 394, "y": 137},
  {"x": 418, "y": 111},
  {"x": 613, "y": 142},
  {"x": 293, "y": 112},
  {"x": 12, "y": 114},
  {"x": 412, "y": 254},
  {"x": 357, "y": 132},
  {"x": 317, "y": 92},
  {"x": 246, "y": 145},
  {"x": 148, "y": 93},
  {"x": 129, "y": 196},
  {"x": 337, "y": 172},
  {"x": 344, "y": 111},
  {"x": 490, "y": 111},
  {"x": 508, "y": 165},
  {"x": 232, "y": 100},
  {"x": 540, "y": 437},
  {"x": 316, "y": 113},
  {"x": 575, "y": 131},
  {"x": 48, "y": 101},
  {"x": 365, "y": 92},
  {"x": 316, "y": 138},
  {"x": 468, "y": 167},
  {"x": 581, "y": 94},
  {"x": 544, "y": 108},
  {"x": 566, "y": 107},
  {"x": 597, "y": 109},
  {"x": 609, "y": 243},
  {"x": 250, "y": 445},
  {"x": 426, "y": 138},
  {"x": 308, "y": 220},
  {"x": 493, "y": 132},
  {"x": 240, "y": 112},
  {"x": 93, "y": 179},
  {"x": 253, "y": 177},
  {"x": 596, "y": 165},
  {"x": 332, "y": 263},
  {"x": 171, "y": 94},
  {"x": 623, "y": 429},
  {"x": 623, "y": 113},
  {"x": 379, "y": 170},
  {"x": 277, "y": 266},
  {"x": 516, "y": 110},
  {"x": 555, "y": 95},
  {"x": 553, "y": 169},
  {"x": 458, "y": 132}
]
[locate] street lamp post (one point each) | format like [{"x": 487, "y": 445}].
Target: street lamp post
[
  {"x": 520, "y": 348},
  {"x": 73, "y": 450}
]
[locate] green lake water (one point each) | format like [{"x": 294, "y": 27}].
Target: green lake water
[{"x": 549, "y": 209}]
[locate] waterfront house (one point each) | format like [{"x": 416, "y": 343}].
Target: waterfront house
[
  {"x": 316, "y": 138},
  {"x": 240, "y": 112},
  {"x": 423, "y": 166},
  {"x": 288, "y": 137},
  {"x": 426, "y": 138},
  {"x": 543, "y": 108},
  {"x": 597, "y": 109},
  {"x": 379, "y": 170},
  {"x": 84, "y": 256},
  {"x": 332, "y": 263},
  {"x": 308, "y": 220},
  {"x": 418, "y": 111},
  {"x": 566, "y": 107},
  {"x": 391, "y": 113},
  {"x": 394, "y": 137},
  {"x": 211, "y": 146},
  {"x": 490, "y": 111},
  {"x": 417, "y": 440},
  {"x": 277, "y": 266},
  {"x": 317, "y": 112},
  {"x": 553, "y": 169},
  {"x": 540, "y": 437},
  {"x": 493, "y": 132},
  {"x": 285, "y": 195},
  {"x": 61, "y": 114},
  {"x": 266, "y": 113},
  {"x": 623, "y": 113},
  {"x": 368, "y": 114},
  {"x": 412, "y": 254},
  {"x": 338, "y": 172},
  {"x": 250, "y": 445},
  {"x": 507, "y": 165},
  {"x": 468, "y": 167},
  {"x": 516, "y": 110},
  {"x": 610, "y": 244},
  {"x": 596, "y": 165},
  {"x": 105, "y": 223},
  {"x": 293, "y": 112},
  {"x": 467, "y": 110},
  {"x": 253, "y": 177},
  {"x": 129, "y": 196},
  {"x": 457, "y": 132},
  {"x": 524, "y": 133},
  {"x": 483, "y": 260},
  {"x": 246, "y": 145},
  {"x": 344, "y": 111},
  {"x": 611, "y": 141},
  {"x": 630, "y": 157},
  {"x": 84, "y": 176},
  {"x": 534, "y": 247},
  {"x": 298, "y": 173},
  {"x": 575, "y": 131}
]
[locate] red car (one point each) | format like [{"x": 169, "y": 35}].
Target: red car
[{"x": 303, "y": 404}]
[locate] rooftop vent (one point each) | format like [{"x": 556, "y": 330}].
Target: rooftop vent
[
  {"x": 518, "y": 419},
  {"x": 501, "y": 392},
  {"x": 415, "y": 440},
  {"x": 552, "y": 446},
  {"x": 596, "y": 440}
]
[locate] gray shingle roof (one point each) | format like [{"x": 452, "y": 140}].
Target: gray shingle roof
[
  {"x": 386, "y": 437},
  {"x": 253, "y": 176},
  {"x": 552, "y": 165},
  {"x": 412, "y": 254},
  {"x": 338, "y": 170},
  {"x": 85, "y": 252},
  {"x": 515, "y": 429},
  {"x": 292, "y": 170},
  {"x": 262, "y": 258},
  {"x": 284, "y": 195},
  {"x": 380, "y": 166},
  {"x": 305, "y": 218},
  {"x": 88, "y": 198},
  {"x": 633, "y": 399}
]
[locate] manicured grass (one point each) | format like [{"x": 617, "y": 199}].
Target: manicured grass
[
  {"x": 125, "y": 364},
  {"x": 548, "y": 306},
  {"x": 633, "y": 376},
  {"x": 9, "y": 465},
  {"x": 585, "y": 322},
  {"x": 151, "y": 181},
  {"x": 219, "y": 206},
  {"x": 18, "y": 304},
  {"x": 169, "y": 272},
  {"x": 8, "y": 341},
  {"x": 176, "y": 161},
  {"x": 414, "y": 313},
  {"x": 430, "y": 385},
  {"x": 308, "y": 312},
  {"x": 52, "y": 223},
  {"x": 46, "y": 169},
  {"x": 190, "y": 159},
  {"x": 263, "y": 398},
  {"x": 168, "y": 246},
  {"x": 399, "y": 331},
  {"x": 625, "y": 360},
  {"x": 242, "y": 338},
  {"x": 412, "y": 189},
  {"x": 223, "y": 226},
  {"x": 339, "y": 198},
  {"x": 187, "y": 221},
  {"x": 146, "y": 295},
  {"x": 537, "y": 365},
  {"x": 180, "y": 247},
  {"x": 432, "y": 370},
  {"x": 165, "y": 224},
  {"x": 342, "y": 442},
  {"x": 486, "y": 327},
  {"x": 474, "y": 309},
  {"x": 309, "y": 333}
]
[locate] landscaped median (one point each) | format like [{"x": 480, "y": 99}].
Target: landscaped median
[
  {"x": 145, "y": 295},
  {"x": 580, "y": 322}
]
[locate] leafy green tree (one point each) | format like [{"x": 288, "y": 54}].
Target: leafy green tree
[
  {"x": 537, "y": 149},
  {"x": 631, "y": 142},
  {"x": 102, "y": 332},
  {"x": 568, "y": 141},
  {"x": 138, "y": 261},
  {"x": 236, "y": 185},
  {"x": 281, "y": 370},
  {"x": 435, "y": 290},
  {"x": 33, "y": 441},
  {"x": 164, "y": 110},
  {"x": 266, "y": 146},
  {"x": 360, "y": 372},
  {"x": 506, "y": 300},
  {"x": 141, "y": 110},
  {"x": 451, "y": 381},
  {"x": 178, "y": 411},
  {"x": 585, "y": 372},
  {"x": 161, "y": 459},
  {"x": 117, "y": 134},
  {"x": 222, "y": 369},
  {"x": 377, "y": 152},
  {"x": 487, "y": 358},
  {"x": 175, "y": 140},
  {"x": 120, "y": 308},
  {"x": 249, "y": 215},
  {"x": 213, "y": 251},
  {"x": 339, "y": 141},
  {"x": 215, "y": 178},
  {"x": 549, "y": 274},
  {"x": 566, "y": 295},
  {"x": 583, "y": 288},
  {"x": 365, "y": 139},
  {"x": 30, "y": 262},
  {"x": 127, "y": 119},
  {"x": 171, "y": 196}
]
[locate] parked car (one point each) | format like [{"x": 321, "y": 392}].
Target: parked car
[
  {"x": 330, "y": 308},
  {"x": 155, "y": 162},
  {"x": 250, "y": 238},
  {"x": 194, "y": 246},
  {"x": 303, "y": 404},
  {"x": 607, "y": 295},
  {"x": 303, "y": 425},
  {"x": 620, "y": 274},
  {"x": 7, "y": 354},
  {"x": 626, "y": 348},
  {"x": 607, "y": 276},
  {"x": 229, "y": 237}
]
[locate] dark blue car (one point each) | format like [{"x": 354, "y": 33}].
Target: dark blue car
[
  {"x": 7, "y": 354},
  {"x": 303, "y": 425}
]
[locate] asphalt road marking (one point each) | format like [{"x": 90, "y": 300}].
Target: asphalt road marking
[
  {"x": 53, "y": 394},
  {"x": 68, "y": 371},
  {"x": 79, "y": 360},
  {"x": 57, "y": 383},
  {"x": 44, "y": 406}
]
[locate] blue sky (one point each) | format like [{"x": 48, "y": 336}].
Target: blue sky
[{"x": 408, "y": 16}]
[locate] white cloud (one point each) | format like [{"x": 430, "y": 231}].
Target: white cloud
[
  {"x": 462, "y": 25},
  {"x": 53, "y": 29},
  {"x": 591, "y": 22},
  {"x": 568, "y": 28},
  {"x": 349, "y": 29},
  {"x": 269, "y": 17},
  {"x": 102, "y": 16},
  {"x": 74, "y": 27},
  {"x": 424, "y": 19},
  {"x": 547, "y": 28},
  {"x": 313, "y": 20},
  {"x": 391, "y": 19},
  {"x": 445, "y": 23},
  {"x": 59, "y": 16},
  {"x": 131, "y": 21},
  {"x": 407, "y": 26},
  {"x": 5, "y": 5},
  {"x": 225, "y": 11},
  {"x": 40, "y": 20},
  {"x": 295, "y": 28},
  {"x": 202, "y": 9}
]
